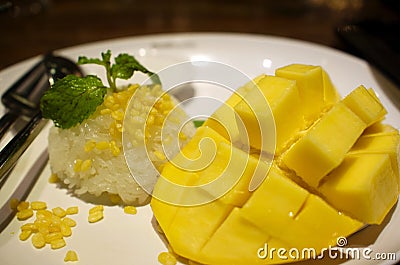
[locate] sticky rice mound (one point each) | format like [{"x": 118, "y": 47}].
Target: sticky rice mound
[{"x": 89, "y": 158}]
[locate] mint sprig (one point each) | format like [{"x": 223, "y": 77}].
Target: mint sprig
[
  {"x": 73, "y": 99},
  {"x": 124, "y": 67}
]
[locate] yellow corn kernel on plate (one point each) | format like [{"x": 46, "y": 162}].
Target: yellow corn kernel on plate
[{"x": 120, "y": 238}]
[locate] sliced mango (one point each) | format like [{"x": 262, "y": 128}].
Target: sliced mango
[
  {"x": 283, "y": 98},
  {"x": 236, "y": 241},
  {"x": 223, "y": 120},
  {"x": 336, "y": 169},
  {"x": 380, "y": 143},
  {"x": 275, "y": 203},
  {"x": 365, "y": 104},
  {"x": 318, "y": 225},
  {"x": 324, "y": 145},
  {"x": 363, "y": 186},
  {"x": 331, "y": 95},
  {"x": 309, "y": 81}
]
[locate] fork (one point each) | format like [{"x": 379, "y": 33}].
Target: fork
[{"x": 23, "y": 99}]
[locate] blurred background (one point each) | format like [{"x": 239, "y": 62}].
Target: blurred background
[{"x": 32, "y": 27}]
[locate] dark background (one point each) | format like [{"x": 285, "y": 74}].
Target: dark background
[{"x": 29, "y": 28}]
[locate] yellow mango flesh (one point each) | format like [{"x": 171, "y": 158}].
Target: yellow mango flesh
[
  {"x": 380, "y": 143},
  {"x": 318, "y": 225},
  {"x": 365, "y": 104},
  {"x": 283, "y": 98},
  {"x": 293, "y": 206},
  {"x": 309, "y": 80},
  {"x": 274, "y": 203},
  {"x": 223, "y": 120},
  {"x": 364, "y": 186},
  {"x": 324, "y": 144}
]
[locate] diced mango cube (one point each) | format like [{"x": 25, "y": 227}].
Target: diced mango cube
[
  {"x": 318, "y": 225},
  {"x": 324, "y": 145},
  {"x": 331, "y": 95},
  {"x": 363, "y": 186},
  {"x": 379, "y": 127},
  {"x": 223, "y": 120},
  {"x": 255, "y": 122},
  {"x": 282, "y": 96},
  {"x": 193, "y": 226},
  {"x": 275, "y": 203},
  {"x": 380, "y": 143},
  {"x": 309, "y": 81},
  {"x": 365, "y": 105},
  {"x": 236, "y": 241}
]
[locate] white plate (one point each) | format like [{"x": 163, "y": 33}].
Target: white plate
[{"x": 125, "y": 239}]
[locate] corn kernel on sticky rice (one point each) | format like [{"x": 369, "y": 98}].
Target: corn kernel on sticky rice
[{"x": 89, "y": 158}]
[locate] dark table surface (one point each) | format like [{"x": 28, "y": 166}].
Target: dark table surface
[{"x": 32, "y": 27}]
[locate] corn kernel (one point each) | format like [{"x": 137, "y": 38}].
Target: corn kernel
[
  {"x": 109, "y": 101},
  {"x": 89, "y": 146},
  {"x": 117, "y": 115},
  {"x": 102, "y": 145},
  {"x": 38, "y": 240},
  {"x": 54, "y": 227},
  {"x": 68, "y": 221},
  {"x": 60, "y": 212},
  {"x": 72, "y": 210},
  {"x": 24, "y": 214},
  {"x": 22, "y": 205},
  {"x": 130, "y": 210},
  {"x": 38, "y": 205},
  {"x": 53, "y": 178},
  {"x": 150, "y": 120},
  {"x": 95, "y": 216},
  {"x": 65, "y": 230},
  {"x": 159, "y": 155},
  {"x": 96, "y": 208},
  {"x": 105, "y": 111},
  {"x": 115, "y": 107},
  {"x": 43, "y": 214},
  {"x": 118, "y": 126},
  {"x": 78, "y": 165},
  {"x": 71, "y": 256},
  {"x": 25, "y": 234},
  {"x": 57, "y": 243},
  {"x": 56, "y": 219},
  {"x": 29, "y": 227},
  {"x": 166, "y": 258},
  {"x": 182, "y": 136},
  {"x": 52, "y": 237},
  {"x": 133, "y": 87},
  {"x": 114, "y": 149},
  {"x": 43, "y": 228},
  {"x": 114, "y": 198},
  {"x": 86, "y": 165},
  {"x": 14, "y": 203}
]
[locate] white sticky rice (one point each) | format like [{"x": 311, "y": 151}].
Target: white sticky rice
[{"x": 89, "y": 158}]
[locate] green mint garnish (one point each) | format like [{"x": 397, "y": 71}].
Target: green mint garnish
[
  {"x": 198, "y": 123},
  {"x": 73, "y": 99}
]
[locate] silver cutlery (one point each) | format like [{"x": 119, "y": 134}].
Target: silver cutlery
[{"x": 23, "y": 99}]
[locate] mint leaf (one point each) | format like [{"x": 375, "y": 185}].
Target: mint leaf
[
  {"x": 198, "y": 123},
  {"x": 72, "y": 99},
  {"x": 124, "y": 67}
]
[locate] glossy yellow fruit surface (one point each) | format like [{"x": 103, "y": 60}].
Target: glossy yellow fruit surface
[{"x": 335, "y": 169}]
